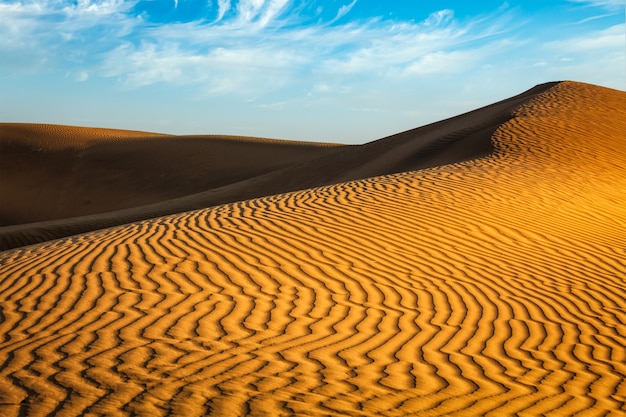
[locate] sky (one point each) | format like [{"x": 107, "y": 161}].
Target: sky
[{"x": 347, "y": 71}]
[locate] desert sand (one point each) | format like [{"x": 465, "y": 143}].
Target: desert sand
[
  {"x": 67, "y": 180},
  {"x": 475, "y": 266},
  {"x": 56, "y": 172}
]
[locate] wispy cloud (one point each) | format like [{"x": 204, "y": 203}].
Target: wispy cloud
[
  {"x": 258, "y": 13},
  {"x": 595, "y": 42},
  {"x": 613, "y": 4},
  {"x": 83, "y": 18},
  {"x": 79, "y": 26},
  {"x": 62, "y": 31},
  {"x": 344, "y": 10},
  {"x": 223, "y": 7},
  {"x": 261, "y": 49},
  {"x": 596, "y": 57},
  {"x": 592, "y": 18},
  {"x": 275, "y": 54}
]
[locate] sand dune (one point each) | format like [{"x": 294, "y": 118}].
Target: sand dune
[
  {"x": 57, "y": 172},
  {"x": 119, "y": 179},
  {"x": 492, "y": 286}
]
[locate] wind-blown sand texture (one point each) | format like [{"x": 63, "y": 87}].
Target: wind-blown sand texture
[{"x": 494, "y": 286}]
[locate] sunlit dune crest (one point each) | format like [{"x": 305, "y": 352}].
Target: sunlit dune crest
[{"x": 490, "y": 286}]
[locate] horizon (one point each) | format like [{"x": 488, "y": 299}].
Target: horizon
[{"x": 341, "y": 71}]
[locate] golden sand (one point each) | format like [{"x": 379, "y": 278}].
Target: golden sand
[{"x": 494, "y": 286}]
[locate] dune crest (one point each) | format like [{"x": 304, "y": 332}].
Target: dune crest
[
  {"x": 493, "y": 286},
  {"x": 50, "y": 173},
  {"x": 112, "y": 179}
]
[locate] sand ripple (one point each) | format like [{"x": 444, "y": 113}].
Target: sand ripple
[{"x": 488, "y": 287}]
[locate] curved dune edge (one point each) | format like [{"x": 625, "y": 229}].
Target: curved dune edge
[
  {"x": 52, "y": 173},
  {"x": 118, "y": 181},
  {"x": 46, "y": 136},
  {"x": 488, "y": 287}
]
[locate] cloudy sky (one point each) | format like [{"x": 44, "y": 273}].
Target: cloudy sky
[{"x": 346, "y": 71}]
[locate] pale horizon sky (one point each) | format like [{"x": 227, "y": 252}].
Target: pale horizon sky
[{"x": 346, "y": 71}]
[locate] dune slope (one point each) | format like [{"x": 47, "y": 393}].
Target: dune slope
[
  {"x": 493, "y": 286},
  {"x": 50, "y": 172},
  {"x": 89, "y": 179}
]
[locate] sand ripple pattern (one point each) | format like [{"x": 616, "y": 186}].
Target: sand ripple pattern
[{"x": 489, "y": 287}]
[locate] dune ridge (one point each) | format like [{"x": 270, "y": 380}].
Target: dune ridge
[
  {"x": 51, "y": 172},
  {"x": 220, "y": 171},
  {"x": 493, "y": 286},
  {"x": 45, "y": 136}
]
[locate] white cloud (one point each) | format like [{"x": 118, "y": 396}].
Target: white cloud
[
  {"x": 249, "y": 9},
  {"x": 234, "y": 57},
  {"x": 16, "y": 20},
  {"x": 611, "y": 38},
  {"x": 258, "y": 38},
  {"x": 218, "y": 71},
  {"x": 612, "y": 4},
  {"x": 273, "y": 9},
  {"x": 440, "y": 17},
  {"x": 101, "y": 8},
  {"x": 56, "y": 30},
  {"x": 439, "y": 43},
  {"x": 442, "y": 62},
  {"x": 344, "y": 10},
  {"x": 223, "y": 7},
  {"x": 318, "y": 60},
  {"x": 592, "y": 18}
]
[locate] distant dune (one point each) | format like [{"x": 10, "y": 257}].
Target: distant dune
[
  {"x": 56, "y": 172},
  {"x": 475, "y": 266}
]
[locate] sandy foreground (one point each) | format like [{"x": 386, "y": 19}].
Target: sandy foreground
[{"x": 491, "y": 286}]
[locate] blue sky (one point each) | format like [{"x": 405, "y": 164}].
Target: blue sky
[{"x": 347, "y": 71}]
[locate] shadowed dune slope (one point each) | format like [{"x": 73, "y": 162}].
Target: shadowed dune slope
[
  {"x": 487, "y": 287},
  {"x": 53, "y": 172},
  {"x": 167, "y": 175}
]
